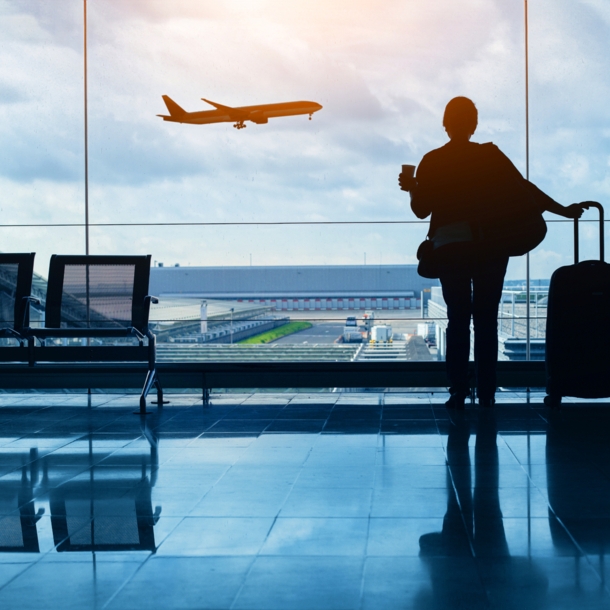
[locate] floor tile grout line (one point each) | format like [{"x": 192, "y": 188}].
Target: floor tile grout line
[
  {"x": 224, "y": 473},
  {"x": 370, "y": 512},
  {"x": 457, "y": 495},
  {"x": 54, "y": 450},
  {"x": 586, "y": 556},
  {"x": 277, "y": 516},
  {"x": 41, "y": 558},
  {"x": 560, "y": 521},
  {"x": 42, "y": 409},
  {"x": 150, "y": 556}
]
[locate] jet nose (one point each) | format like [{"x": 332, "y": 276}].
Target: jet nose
[{"x": 318, "y": 106}]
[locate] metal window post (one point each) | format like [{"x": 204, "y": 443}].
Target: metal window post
[
  {"x": 501, "y": 313},
  {"x": 527, "y": 175},
  {"x": 86, "y": 119},
  {"x": 86, "y": 130}
]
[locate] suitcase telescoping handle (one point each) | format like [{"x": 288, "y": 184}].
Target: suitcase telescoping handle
[{"x": 586, "y": 205}]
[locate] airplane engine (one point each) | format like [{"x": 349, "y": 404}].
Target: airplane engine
[{"x": 259, "y": 118}]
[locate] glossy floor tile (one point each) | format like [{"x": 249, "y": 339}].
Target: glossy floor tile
[{"x": 304, "y": 501}]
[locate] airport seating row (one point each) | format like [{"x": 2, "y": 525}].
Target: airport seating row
[{"x": 96, "y": 309}]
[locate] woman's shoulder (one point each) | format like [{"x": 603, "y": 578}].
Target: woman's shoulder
[
  {"x": 436, "y": 155},
  {"x": 488, "y": 147},
  {"x": 436, "y": 152},
  {"x": 492, "y": 153},
  {"x": 452, "y": 148},
  {"x": 469, "y": 152}
]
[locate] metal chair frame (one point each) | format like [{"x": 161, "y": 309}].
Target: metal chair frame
[
  {"x": 23, "y": 289},
  {"x": 137, "y": 327}
]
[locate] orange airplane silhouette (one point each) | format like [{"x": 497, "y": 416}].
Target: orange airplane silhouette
[{"x": 226, "y": 114}]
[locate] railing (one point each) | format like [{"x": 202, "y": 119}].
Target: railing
[{"x": 179, "y": 325}]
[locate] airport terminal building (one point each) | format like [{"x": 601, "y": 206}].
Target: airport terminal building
[{"x": 298, "y": 288}]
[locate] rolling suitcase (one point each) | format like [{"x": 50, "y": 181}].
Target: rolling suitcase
[{"x": 578, "y": 326}]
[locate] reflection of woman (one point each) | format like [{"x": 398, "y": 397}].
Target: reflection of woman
[
  {"x": 474, "y": 524},
  {"x": 446, "y": 178}
]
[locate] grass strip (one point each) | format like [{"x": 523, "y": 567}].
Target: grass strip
[{"x": 277, "y": 333}]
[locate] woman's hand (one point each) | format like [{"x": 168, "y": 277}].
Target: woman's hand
[
  {"x": 573, "y": 211},
  {"x": 406, "y": 183}
]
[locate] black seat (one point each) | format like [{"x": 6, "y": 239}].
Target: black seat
[
  {"x": 16, "y": 271},
  {"x": 98, "y": 297}
]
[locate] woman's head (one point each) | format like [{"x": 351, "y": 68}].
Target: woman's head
[{"x": 461, "y": 117}]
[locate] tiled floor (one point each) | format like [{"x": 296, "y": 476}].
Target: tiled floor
[{"x": 316, "y": 501}]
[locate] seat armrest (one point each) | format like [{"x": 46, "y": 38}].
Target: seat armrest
[
  {"x": 136, "y": 333},
  {"x": 29, "y": 300},
  {"x": 11, "y": 333}
]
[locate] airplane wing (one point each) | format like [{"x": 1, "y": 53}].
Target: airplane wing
[
  {"x": 219, "y": 106},
  {"x": 236, "y": 114}
]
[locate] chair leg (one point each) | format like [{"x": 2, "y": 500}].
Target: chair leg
[
  {"x": 159, "y": 400},
  {"x": 150, "y": 380}
]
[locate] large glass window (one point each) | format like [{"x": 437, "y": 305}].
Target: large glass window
[{"x": 211, "y": 196}]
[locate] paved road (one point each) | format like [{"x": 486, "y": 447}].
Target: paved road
[
  {"x": 318, "y": 333},
  {"x": 328, "y": 325}
]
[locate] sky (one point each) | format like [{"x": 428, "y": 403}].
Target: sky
[{"x": 382, "y": 76}]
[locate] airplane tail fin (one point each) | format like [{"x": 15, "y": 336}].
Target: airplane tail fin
[{"x": 175, "y": 111}]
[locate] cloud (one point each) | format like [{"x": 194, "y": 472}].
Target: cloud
[
  {"x": 10, "y": 94},
  {"x": 383, "y": 78}
]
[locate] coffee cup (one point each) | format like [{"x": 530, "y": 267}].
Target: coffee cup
[{"x": 408, "y": 170}]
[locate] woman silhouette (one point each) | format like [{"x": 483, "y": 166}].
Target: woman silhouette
[{"x": 443, "y": 187}]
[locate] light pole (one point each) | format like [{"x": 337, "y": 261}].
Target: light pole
[
  {"x": 232, "y": 310},
  {"x": 203, "y": 315}
]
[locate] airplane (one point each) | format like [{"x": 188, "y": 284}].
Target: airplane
[{"x": 225, "y": 114}]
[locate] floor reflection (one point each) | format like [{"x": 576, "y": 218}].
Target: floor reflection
[
  {"x": 578, "y": 479},
  {"x": 97, "y": 500},
  {"x": 283, "y": 501},
  {"x": 18, "y": 533},
  {"x": 474, "y": 522}
]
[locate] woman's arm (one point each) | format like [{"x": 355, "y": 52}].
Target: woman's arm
[
  {"x": 546, "y": 203},
  {"x": 550, "y": 205},
  {"x": 420, "y": 204},
  {"x": 421, "y": 207}
]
